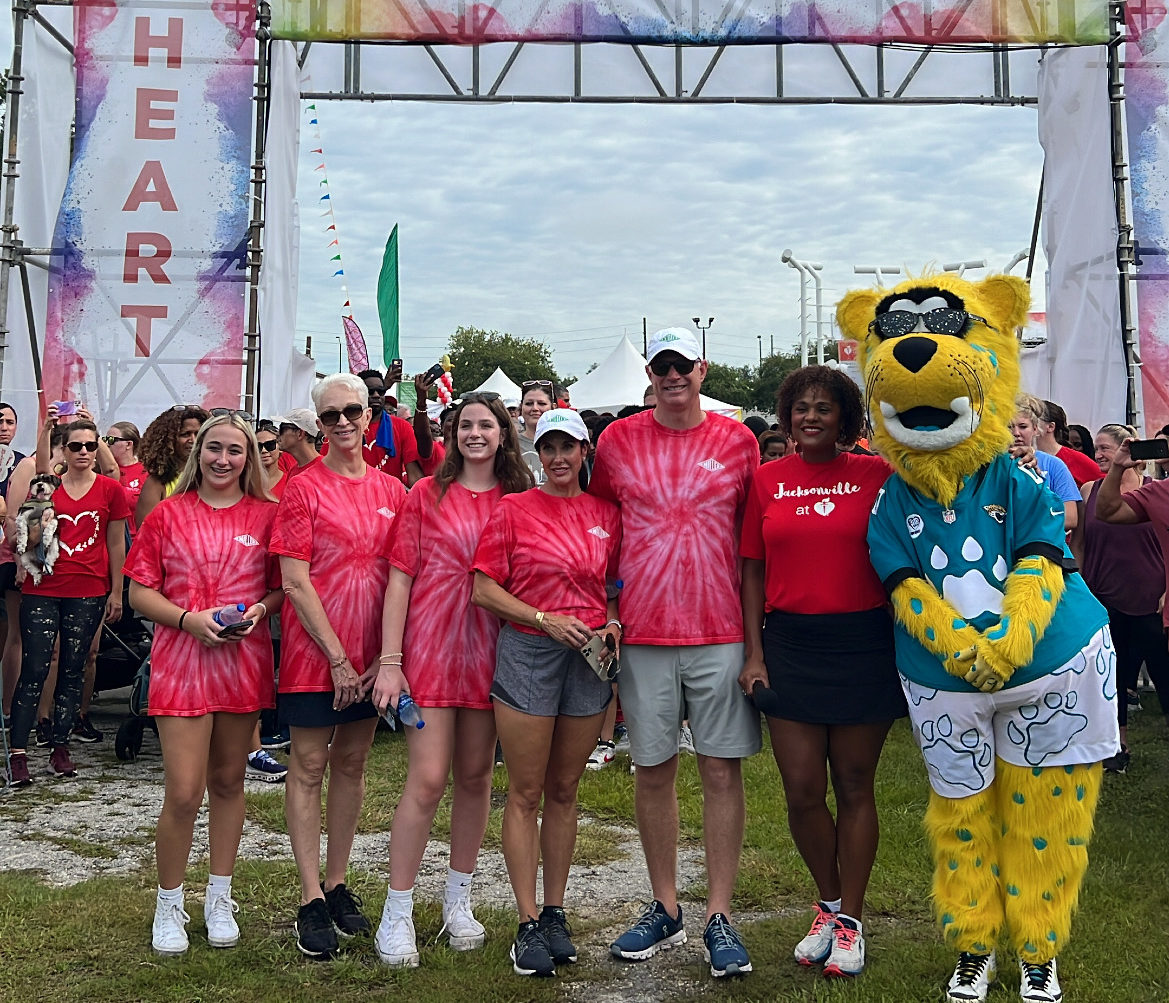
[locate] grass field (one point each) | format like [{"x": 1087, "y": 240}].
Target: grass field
[{"x": 91, "y": 941}]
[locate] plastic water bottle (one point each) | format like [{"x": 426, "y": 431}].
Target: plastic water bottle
[
  {"x": 230, "y": 614},
  {"x": 408, "y": 712}
]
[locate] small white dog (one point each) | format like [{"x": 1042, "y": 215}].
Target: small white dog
[{"x": 36, "y": 543}]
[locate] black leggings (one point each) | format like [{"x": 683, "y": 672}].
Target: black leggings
[
  {"x": 41, "y": 619},
  {"x": 1139, "y": 639}
]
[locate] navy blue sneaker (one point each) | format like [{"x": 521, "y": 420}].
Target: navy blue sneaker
[
  {"x": 724, "y": 948},
  {"x": 654, "y": 931}
]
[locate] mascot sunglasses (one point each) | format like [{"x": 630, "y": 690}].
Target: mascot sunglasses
[{"x": 944, "y": 320}]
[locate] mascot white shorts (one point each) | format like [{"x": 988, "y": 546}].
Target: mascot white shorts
[{"x": 1062, "y": 719}]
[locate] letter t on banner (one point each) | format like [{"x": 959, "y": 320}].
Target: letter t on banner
[{"x": 387, "y": 300}]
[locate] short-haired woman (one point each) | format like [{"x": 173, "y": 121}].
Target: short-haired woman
[
  {"x": 123, "y": 440},
  {"x": 823, "y": 642},
  {"x": 542, "y": 566},
  {"x": 333, "y": 534},
  {"x": 84, "y": 587},
  {"x": 536, "y": 399},
  {"x": 164, "y": 449},
  {"x": 440, "y": 649},
  {"x": 203, "y": 548}
]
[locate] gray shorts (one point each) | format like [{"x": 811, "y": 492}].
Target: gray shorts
[
  {"x": 538, "y": 676},
  {"x": 660, "y": 686}
]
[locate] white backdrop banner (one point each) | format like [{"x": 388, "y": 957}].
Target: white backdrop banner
[
  {"x": 146, "y": 305},
  {"x": 1084, "y": 358}
]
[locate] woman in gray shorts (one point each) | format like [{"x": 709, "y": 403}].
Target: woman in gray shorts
[{"x": 541, "y": 566}]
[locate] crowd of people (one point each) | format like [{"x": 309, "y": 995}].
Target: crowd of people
[{"x": 320, "y": 566}]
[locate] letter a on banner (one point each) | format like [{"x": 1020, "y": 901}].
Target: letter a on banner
[{"x": 146, "y": 298}]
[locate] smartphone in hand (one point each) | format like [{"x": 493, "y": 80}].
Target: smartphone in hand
[
  {"x": 235, "y": 628},
  {"x": 1148, "y": 449}
]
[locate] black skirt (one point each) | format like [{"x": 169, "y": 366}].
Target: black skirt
[
  {"x": 315, "y": 710},
  {"x": 833, "y": 668}
]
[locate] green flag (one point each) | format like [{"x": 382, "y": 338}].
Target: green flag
[{"x": 387, "y": 299}]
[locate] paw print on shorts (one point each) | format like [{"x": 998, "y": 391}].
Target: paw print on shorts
[
  {"x": 962, "y": 761},
  {"x": 916, "y": 693},
  {"x": 1049, "y": 728},
  {"x": 1077, "y": 665},
  {"x": 1106, "y": 668}
]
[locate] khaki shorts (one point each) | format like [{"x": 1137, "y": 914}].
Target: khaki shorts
[{"x": 661, "y": 686}]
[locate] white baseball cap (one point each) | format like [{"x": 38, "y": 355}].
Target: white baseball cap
[
  {"x": 302, "y": 417},
  {"x": 674, "y": 339},
  {"x": 561, "y": 419}
]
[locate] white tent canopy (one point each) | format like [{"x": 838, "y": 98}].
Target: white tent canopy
[
  {"x": 620, "y": 380},
  {"x": 498, "y": 382}
]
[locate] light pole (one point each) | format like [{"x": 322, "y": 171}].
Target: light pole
[
  {"x": 760, "y": 337},
  {"x": 961, "y": 266},
  {"x": 340, "y": 368},
  {"x": 703, "y": 328},
  {"x": 808, "y": 270},
  {"x": 877, "y": 270}
]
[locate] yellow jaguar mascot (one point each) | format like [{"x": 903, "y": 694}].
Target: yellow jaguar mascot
[{"x": 1005, "y": 656}]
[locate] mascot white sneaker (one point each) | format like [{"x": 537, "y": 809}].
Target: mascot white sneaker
[{"x": 1006, "y": 659}]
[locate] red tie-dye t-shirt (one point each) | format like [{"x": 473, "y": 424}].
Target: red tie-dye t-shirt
[
  {"x": 553, "y": 553},
  {"x": 681, "y": 494},
  {"x": 449, "y": 645},
  {"x": 343, "y": 529},
  {"x": 201, "y": 558}
]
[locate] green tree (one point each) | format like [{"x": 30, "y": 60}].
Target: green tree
[
  {"x": 475, "y": 353},
  {"x": 770, "y": 375},
  {"x": 730, "y": 384}
]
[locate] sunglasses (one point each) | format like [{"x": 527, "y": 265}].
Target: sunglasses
[
  {"x": 219, "y": 412},
  {"x": 943, "y": 320},
  {"x": 683, "y": 367},
  {"x": 109, "y": 440},
  {"x": 351, "y": 411},
  {"x": 77, "y": 447},
  {"x": 477, "y": 397},
  {"x": 536, "y": 383},
  {"x": 186, "y": 407},
  {"x": 267, "y": 447}
]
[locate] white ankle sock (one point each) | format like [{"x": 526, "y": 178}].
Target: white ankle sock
[
  {"x": 218, "y": 884},
  {"x": 401, "y": 903},
  {"x": 833, "y": 906},
  {"x": 170, "y": 896},
  {"x": 458, "y": 885}
]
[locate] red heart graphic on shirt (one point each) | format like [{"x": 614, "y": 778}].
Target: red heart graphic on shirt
[{"x": 77, "y": 535}]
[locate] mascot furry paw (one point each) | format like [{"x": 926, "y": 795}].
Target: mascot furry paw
[
  {"x": 35, "y": 541},
  {"x": 1006, "y": 657}
]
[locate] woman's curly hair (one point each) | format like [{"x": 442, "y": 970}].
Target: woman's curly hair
[
  {"x": 840, "y": 388},
  {"x": 157, "y": 451}
]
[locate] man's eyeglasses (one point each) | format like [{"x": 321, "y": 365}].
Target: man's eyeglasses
[
  {"x": 109, "y": 440},
  {"x": 351, "y": 411},
  {"x": 662, "y": 367},
  {"x": 267, "y": 446},
  {"x": 219, "y": 412},
  {"x": 77, "y": 447},
  {"x": 943, "y": 320}
]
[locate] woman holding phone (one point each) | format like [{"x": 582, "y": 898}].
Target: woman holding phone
[
  {"x": 440, "y": 649},
  {"x": 542, "y": 566},
  {"x": 203, "y": 548}
]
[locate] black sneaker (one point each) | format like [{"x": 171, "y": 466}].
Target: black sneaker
[
  {"x": 316, "y": 936},
  {"x": 1118, "y": 763},
  {"x": 84, "y": 731},
  {"x": 530, "y": 954},
  {"x": 345, "y": 910},
  {"x": 558, "y": 934},
  {"x": 44, "y": 733}
]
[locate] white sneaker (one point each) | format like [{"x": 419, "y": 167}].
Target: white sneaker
[
  {"x": 465, "y": 931},
  {"x": 169, "y": 937},
  {"x": 1039, "y": 983},
  {"x": 686, "y": 739},
  {"x": 847, "y": 957},
  {"x": 222, "y": 929},
  {"x": 972, "y": 978},
  {"x": 817, "y": 945},
  {"x": 602, "y": 756},
  {"x": 395, "y": 942}
]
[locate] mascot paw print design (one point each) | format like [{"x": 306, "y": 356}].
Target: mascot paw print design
[
  {"x": 962, "y": 760},
  {"x": 1049, "y": 727}
]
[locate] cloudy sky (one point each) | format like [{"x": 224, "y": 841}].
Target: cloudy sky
[{"x": 570, "y": 223}]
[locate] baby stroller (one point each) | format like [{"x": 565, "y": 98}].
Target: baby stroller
[{"x": 123, "y": 659}]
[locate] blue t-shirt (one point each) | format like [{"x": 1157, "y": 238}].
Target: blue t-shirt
[
  {"x": 1002, "y": 513},
  {"x": 1055, "y": 472}
]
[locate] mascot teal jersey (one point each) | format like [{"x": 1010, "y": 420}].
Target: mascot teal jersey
[{"x": 1002, "y": 513}]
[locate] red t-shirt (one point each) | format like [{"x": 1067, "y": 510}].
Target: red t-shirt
[
  {"x": 431, "y": 463},
  {"x": 681, "y": 495},
  {"x": 200, "y": 558},
  {"x": 812, "y": 537},
  {"x": 288, "y": 462},
  {"x": 343, "y": 528},
  {"x": 133, "y": 477},
  {"x": 553, "y": 553},
  {"x": 277, "y": 489},
  {"x": 82, "y": 568},
  {"x": 449, "y": 647},
  {"x": 1083, "y": 469}
]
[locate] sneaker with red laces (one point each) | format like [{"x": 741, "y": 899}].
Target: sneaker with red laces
[
  {"x": 817, "y": 945},
  {"x": 19, "y": 776},
  {"x": 61, "y": 763},
  {"x": 848, "y": 949}
]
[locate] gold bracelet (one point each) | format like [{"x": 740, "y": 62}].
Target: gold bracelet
[
  {"x": 392, "y": 654},
  {"x": 540, "y": 620},
  {"x": 336, "y": 663}
]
